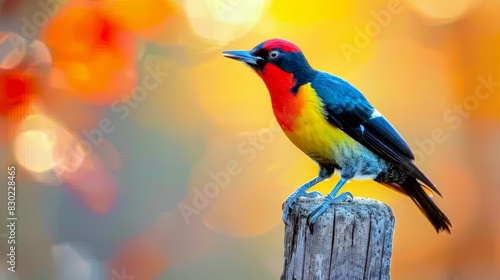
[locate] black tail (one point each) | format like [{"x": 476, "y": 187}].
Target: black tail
[{"x": 437, "y": 218}]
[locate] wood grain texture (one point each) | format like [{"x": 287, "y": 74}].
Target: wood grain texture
[{"x": 351, "y": 240}]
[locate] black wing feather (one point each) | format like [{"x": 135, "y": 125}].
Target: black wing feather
[{"x": 346, "y": 108}]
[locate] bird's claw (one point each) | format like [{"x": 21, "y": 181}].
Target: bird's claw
[
  {"x": 291, "y": 199},
  {"x": 319, "y": 210}
]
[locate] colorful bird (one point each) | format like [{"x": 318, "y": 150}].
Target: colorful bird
[{"x": 333, "y": 123}]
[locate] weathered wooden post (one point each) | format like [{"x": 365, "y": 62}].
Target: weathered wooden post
[{"x": 350, "y": 241}]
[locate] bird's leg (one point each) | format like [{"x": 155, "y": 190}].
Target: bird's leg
[
  {"x": 300, "y": 191},
  {"x": 329, "y": 199}
]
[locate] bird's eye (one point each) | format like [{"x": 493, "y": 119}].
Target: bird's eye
[{"x": 274, "y": 54}]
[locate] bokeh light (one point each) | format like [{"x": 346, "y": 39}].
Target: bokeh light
[
  {"x": 17, "y": 91},
  {"x": 441, "y": 11},
  {"x": 53, "y": 154},
  {"x": 12, "y": 50},
  {"x": 190, "y": 180},
  {"x": 99, "y": 66},
  {"x": 34, "y": 151},
  {"x": 152, "y": 261},
  {"x": 224, "y": 21},
  {"x": 22, "y": 81},
  {"x": 23, "y": 69},
  {"x": 42, "y": 145}
]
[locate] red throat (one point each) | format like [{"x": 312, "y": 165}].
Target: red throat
[{"x": 286, "y": 105}]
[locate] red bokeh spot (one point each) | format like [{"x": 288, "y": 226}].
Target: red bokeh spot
[
  {"x": 16, "y": 92},
  {"x": 96, "y": 63},
  {"x": 105, "y": 33},
  {"x": 141, "y": 258},
  {"x": 94, "y": 31}
]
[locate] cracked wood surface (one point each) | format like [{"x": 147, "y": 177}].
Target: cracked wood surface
[{"x": 351, "y": 240}]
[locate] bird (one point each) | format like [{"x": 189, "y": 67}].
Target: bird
[{"x": 336, "y": 126}]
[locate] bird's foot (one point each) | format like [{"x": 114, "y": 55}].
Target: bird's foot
[
  {"x": 292, "y": 198},
  {"x": 318, "y": 211}
]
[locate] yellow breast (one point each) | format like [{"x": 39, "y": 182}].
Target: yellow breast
[{"x": 312, "y": 133}]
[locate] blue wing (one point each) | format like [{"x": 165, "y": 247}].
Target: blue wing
[{"x": 346, "y": 108}]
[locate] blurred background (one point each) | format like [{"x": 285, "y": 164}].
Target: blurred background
[{"x": 142, "y": 153}]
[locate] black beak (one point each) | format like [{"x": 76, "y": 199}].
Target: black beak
[{"x": 243, "y": 56}]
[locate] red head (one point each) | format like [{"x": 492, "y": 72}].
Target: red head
[
  {"x": 277, "y": 61},
  {"x": 284, "y": 45},
  {"x": 283, "y": 68}
]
